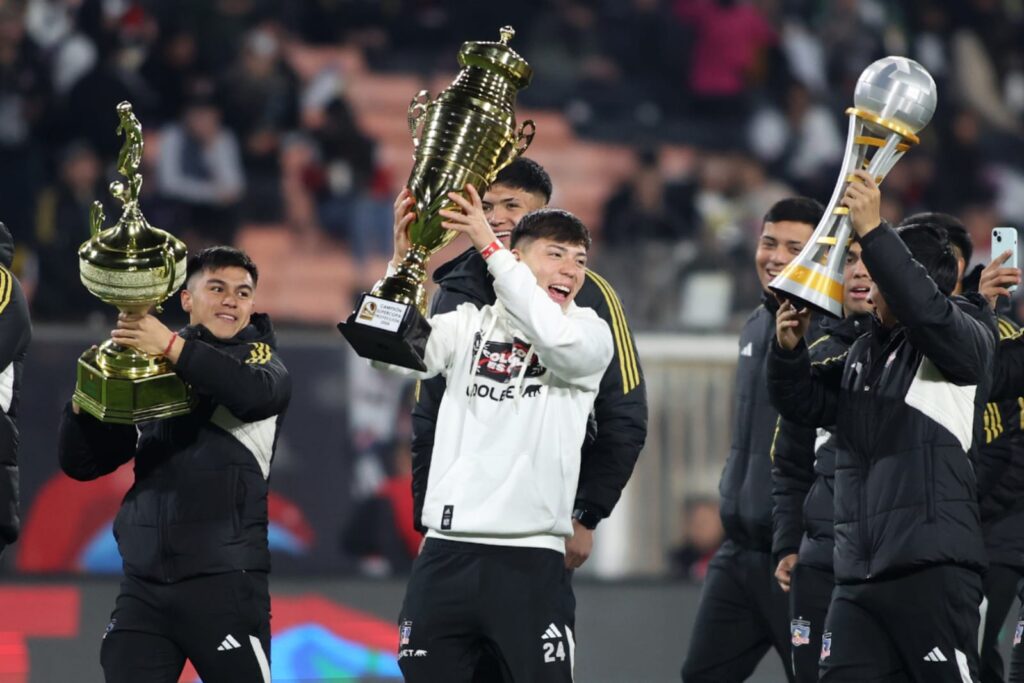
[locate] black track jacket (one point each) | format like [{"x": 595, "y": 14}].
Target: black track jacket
[
  {"x": 620, "y": 410},
  {"x": 15, "y": 335},
  {"x": 907, "y": 403},
  {"x": 804, "y": 466},
  {"x": 199, "y": 502}
]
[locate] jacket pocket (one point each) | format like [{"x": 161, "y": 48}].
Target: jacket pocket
[{"x": 929, "y": 484}]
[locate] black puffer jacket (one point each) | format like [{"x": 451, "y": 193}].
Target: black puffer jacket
[
  {"x": 15, "y": 335},
  {"x": 804, "y": 465},
  {"x": 1000, "y": 463},
  {"x": 619, "y": 429},
  {"x": 199, "y": 502},
  {"x": 907, "y": 405},
  {"x": 745, "y": 488}
]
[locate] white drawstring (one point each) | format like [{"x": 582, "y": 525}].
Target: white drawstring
[{"x": 517, "y": 388}]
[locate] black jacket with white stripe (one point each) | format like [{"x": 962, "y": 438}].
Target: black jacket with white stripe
[
  {"x": 15, "y": 335},
  {"x": 617, "y": 434},
  {"x": 908, "y": 406},
  {"x": 199, "y": 502},
  {"x": 804, "y": 465}
]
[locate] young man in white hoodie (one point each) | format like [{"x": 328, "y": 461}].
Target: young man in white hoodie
[{"x": 522, "y": 376}]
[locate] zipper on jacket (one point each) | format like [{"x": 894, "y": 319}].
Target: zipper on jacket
[
  {"x": 929, "y": 485},
  {"x": 162, "y": 540},
  {"x": 863, "y": 521}
]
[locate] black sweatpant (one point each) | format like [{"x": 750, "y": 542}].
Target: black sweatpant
[
  {"x": 1000, "y": 587},
  {"x": 1017, "y": 658},
  {"x": 810, "y": 592},
  {"x": 742, "y": 613},
  {"x": 920, "y": 627},
  {"x": 221, "y": 623},
  {"x": 465, "y": 599}
]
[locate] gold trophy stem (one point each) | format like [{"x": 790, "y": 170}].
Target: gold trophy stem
[{"x": 405, "y": 286}]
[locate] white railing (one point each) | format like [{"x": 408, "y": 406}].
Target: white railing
[{"x": 689, "y": 395}]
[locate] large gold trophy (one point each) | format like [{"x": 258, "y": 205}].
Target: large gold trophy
[
  {"x": 134, "y": 267},
  {"x": 466, "y": 135}
]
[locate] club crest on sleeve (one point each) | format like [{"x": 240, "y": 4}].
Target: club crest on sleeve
[
  {"x": 800, "y": 632},
  {"x": 404, "y": 631}
]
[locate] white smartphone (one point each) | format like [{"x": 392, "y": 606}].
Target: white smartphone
[{"x": 1003, "y": 239}]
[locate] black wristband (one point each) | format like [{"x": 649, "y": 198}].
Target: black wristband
[{"x": 588, "y": 518}]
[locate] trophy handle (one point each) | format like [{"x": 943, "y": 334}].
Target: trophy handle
[
  {"x": 417, "y": 110},
  {"x": 169, "y": 268},
  {"x": 525, "y": 136},
  {"x": 96, "y": 218}
]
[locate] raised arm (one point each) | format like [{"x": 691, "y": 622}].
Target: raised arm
[{"x": 960, "y": 345}]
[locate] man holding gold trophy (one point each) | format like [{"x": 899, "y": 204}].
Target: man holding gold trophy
[{"x": 199, "y": 411}]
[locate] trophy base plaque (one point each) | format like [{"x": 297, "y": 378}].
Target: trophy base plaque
[
  {"x": 120, "y": 400},
  {"x": 387, "y": 331}
]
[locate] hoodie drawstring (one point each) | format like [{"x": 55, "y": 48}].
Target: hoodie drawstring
[{"x": 518, "y": 386}]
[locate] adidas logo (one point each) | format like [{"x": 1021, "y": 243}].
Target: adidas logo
[
  {"x": 935, "y": 656},
  {"x": 747, "y": 350},
  {"x": 552, "y": 633},
  {"x": 228, "y": 643}
]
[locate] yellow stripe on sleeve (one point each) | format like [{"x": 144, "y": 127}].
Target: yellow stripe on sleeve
[{"x": 620, "y": 330}]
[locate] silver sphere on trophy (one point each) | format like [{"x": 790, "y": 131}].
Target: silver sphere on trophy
[{"x": 894, "y": 100}]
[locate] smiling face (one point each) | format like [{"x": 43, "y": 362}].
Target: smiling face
[
  {"x": 856, "y": 283},
  {"x": 504, "y": 206},
  {"x": 558, "y": 266},
  {"x": 221, "y": 299},
  {"x": 780, "y": 243}
]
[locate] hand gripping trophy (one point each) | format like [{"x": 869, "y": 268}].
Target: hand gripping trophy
[
  {"x": 467, "y": 134},
  {"x": 894, "y": 99},
  {"x": 134, "y": 267}
]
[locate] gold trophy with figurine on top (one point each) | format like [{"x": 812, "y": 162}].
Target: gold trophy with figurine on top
[
  {"x": 134, "y": 267},
  {"x": 462, "y": 137}
]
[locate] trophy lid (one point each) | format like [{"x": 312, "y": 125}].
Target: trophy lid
[
  {"x": 498, "y": 56},
  {"x": 153, "y": 258}
]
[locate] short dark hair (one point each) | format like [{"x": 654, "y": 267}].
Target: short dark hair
[
  {"x": 954, "y": 227},
  {"x": 526, "y": 174},
  {"x": 931, "y": 247},
  {"x": 796, "y": 209},
  {"x": 554, "y": 224},
  {"x": 215, "y": 258}
]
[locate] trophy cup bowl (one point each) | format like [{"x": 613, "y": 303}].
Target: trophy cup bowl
[
  {"x": 894, "y": 100},
  {"x": 134, "y": 267},
  {"x": 462, "y": 137}
]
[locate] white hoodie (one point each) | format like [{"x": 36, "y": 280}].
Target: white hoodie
[{"x": 522, "y": 377}]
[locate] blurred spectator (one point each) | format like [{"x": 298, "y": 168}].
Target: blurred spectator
[
  {"x": 170, "y": 68},
  {"x": 200, "y": 173},
  {"x": 72, "y": 54},
  {"x": 801, "y": 144},
  {"x": 354, "y": 201},
  {"x": 89, "y": 112},
  {"x": 646, "y": 208},
  {"x": 731, "y": 37},
  {"x": 851, "y": 32},
  {"x": 62, "y": 225},
  {"x": 702, "y": 535},
  {"x": 380, "y": 534},
  {"x": 25, "y": 100},
  {"x": 649, "y": 230},
  {"x": 259, "y": 95},
  {"x": 301, "y": 176}
]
